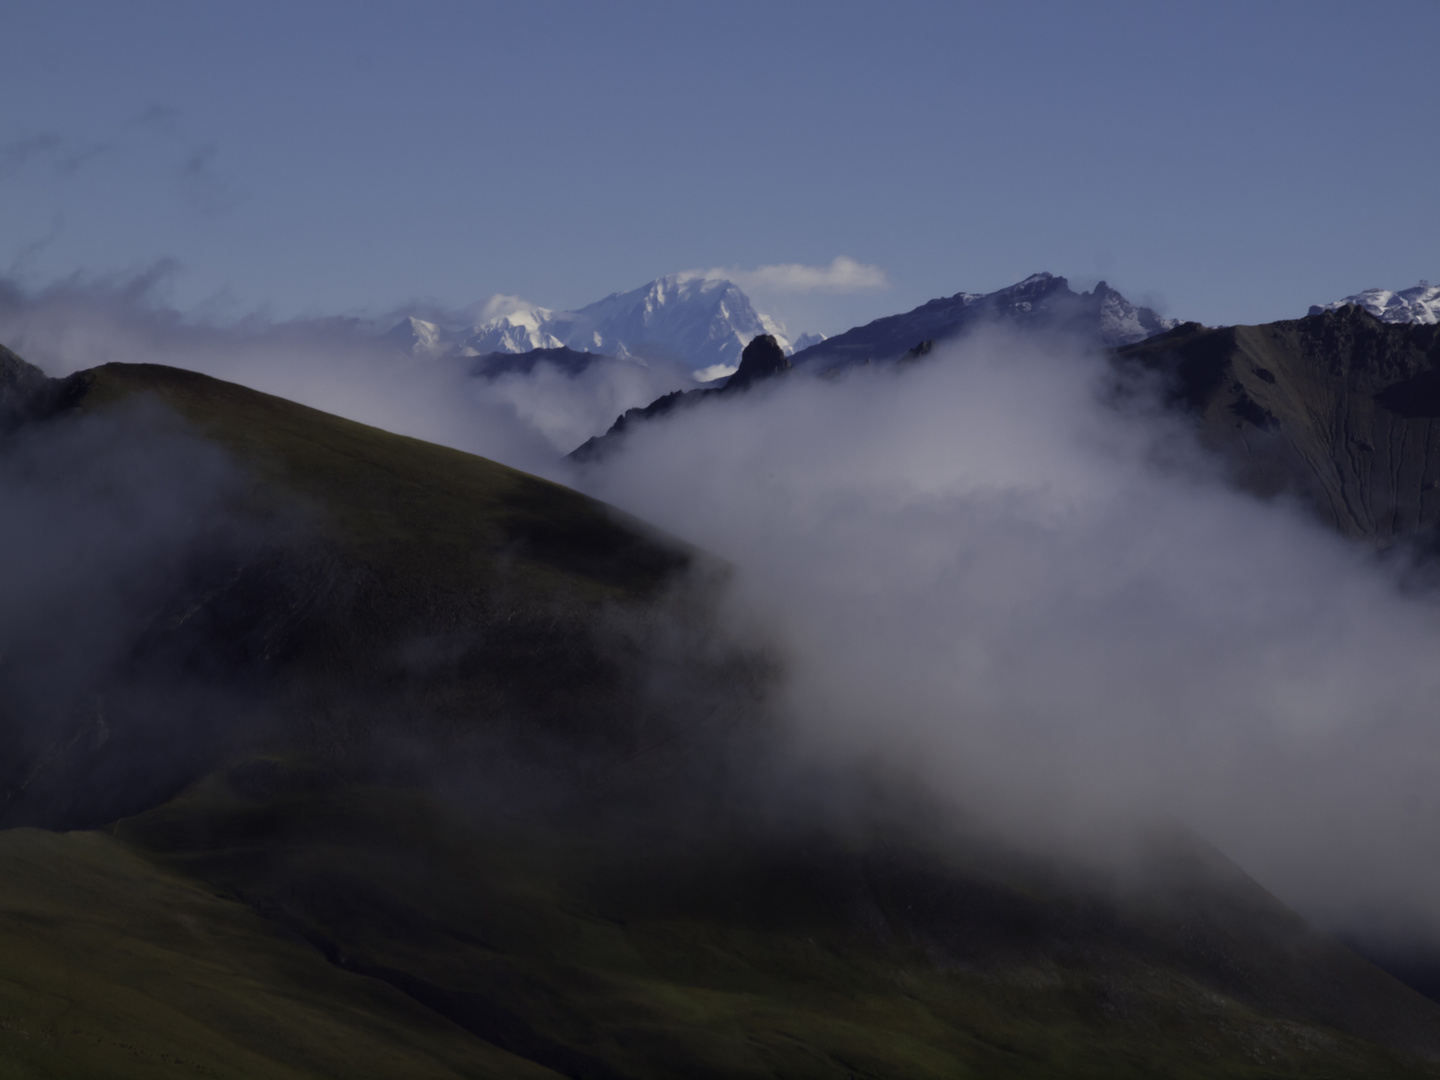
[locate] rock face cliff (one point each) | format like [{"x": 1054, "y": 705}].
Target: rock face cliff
[{"x": 1340, "y": 406}]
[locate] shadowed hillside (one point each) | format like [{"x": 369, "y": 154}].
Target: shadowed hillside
[{"x": 351, "y": 581}]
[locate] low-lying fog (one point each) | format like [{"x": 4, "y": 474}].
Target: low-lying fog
[{"x": 978, "y": 571}]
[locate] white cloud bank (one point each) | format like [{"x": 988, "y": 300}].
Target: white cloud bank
[
  {"x": 984, "y": 576},
  {"x": 842, "y": 275},
  {"x": 500, "y": 306}
]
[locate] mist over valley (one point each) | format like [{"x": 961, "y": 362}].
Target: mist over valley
[{"x": 1047, "y": 662}]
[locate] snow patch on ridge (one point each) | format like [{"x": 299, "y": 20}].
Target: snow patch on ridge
[{"x": 1420, "y": 304}]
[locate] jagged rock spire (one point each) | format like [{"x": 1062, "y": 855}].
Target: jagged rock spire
[{"x": 762, "y": 358}]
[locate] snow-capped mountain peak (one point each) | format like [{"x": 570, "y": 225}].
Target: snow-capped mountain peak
[
  {"x": 1123, "y": 323},
  {"x": 704, "y": 323},
  {"x": 518, "y": 331},
  {"x": 1420, "y": 304}
]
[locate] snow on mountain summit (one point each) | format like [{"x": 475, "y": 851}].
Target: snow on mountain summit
[
  {"x": 1420, "y": 304},
  {"x": 702, "y": 322},
  {"x": 1123, "y": 323}
]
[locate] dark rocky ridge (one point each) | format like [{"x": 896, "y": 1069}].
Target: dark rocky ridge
[
  {"x": 1338, "y": 406},
  {"x": 762, "y": 359},
  {"x": 1040, "y": 302}
]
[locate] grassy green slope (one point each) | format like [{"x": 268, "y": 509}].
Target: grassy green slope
[
  {"x": 415, "y": 584},
  {"x": 111, "y": 967},
  {"x": 366, "y": 932},
  {"x": 639, "y": 948}
]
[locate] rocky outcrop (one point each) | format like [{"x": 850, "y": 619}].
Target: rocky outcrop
[{"x": 763, "y": 358}]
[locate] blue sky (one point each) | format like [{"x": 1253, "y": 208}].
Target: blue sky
[{"x": 1233, "y": 162}]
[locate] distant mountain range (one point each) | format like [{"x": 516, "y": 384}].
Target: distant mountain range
[
  {"x": 704, "y": 323},
  {"x": 1420, "y": 304},
  {"x": 1040, "y": 301},
  {"x": 1340, "y": 408}
]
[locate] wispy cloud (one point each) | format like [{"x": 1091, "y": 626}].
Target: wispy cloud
[
  {"x": 201, "y": 182},
  {"x": 205, "y": 186},
  {"x": 48, "y": 150},
  {"x": 19, "y": 151},
  {"x": 156, "y": 113},
  {"x": 500, "y": 305},
  {"x": 983, "y": 576},
  {"x": 842, "y": 275}
]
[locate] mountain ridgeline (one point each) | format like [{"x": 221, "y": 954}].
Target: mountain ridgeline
[
  {"x": 343, "y": 577},
  {"x": 1042, "y": 303},
  {"x": 1341, "y": 407}
]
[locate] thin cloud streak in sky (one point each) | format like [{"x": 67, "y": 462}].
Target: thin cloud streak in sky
[{"x": 842, "y": 275}]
